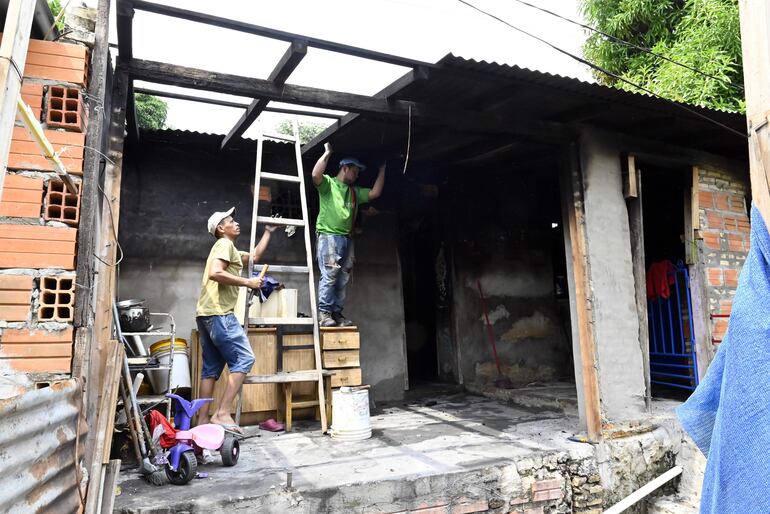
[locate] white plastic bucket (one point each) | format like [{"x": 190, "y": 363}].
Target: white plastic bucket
[
  {"x": 350, "y": 415},
  {"x": 180, "y": 374}
]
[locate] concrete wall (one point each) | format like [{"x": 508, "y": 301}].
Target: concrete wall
[
  {"x": 505, "y": 240},
  {"x": 169, "y": 190},
  {"x": 613, "y": 303}
]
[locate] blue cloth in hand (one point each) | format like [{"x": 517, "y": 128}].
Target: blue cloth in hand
[{"x": 728, "y": 415}]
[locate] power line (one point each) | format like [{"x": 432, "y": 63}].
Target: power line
[
  {"x": 607, "y": 72},
  {"x": 631, "y": 45}
]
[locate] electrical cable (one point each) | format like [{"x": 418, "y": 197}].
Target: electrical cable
[
  {"x": 632, "y": 45},
  {"x": 598, "y": 68}
]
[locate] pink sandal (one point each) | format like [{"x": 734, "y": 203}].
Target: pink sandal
[{"x": 272, "y": 425}]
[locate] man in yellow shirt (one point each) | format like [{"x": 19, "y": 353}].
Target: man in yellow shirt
[{"x": 222, "y": 338}]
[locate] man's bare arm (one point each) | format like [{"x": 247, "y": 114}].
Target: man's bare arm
[
  {"x": 320, "y": 166},
  {"x": 379, "y": 184},
  {"x": 218, "y": 273}
]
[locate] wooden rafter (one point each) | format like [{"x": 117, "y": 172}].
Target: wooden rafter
[{"x": 288, "y": 63}]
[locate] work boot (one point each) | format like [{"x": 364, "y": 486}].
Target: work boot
[
  {"x": 341, "y": 320},
  {"x": 325, "y": 319}
]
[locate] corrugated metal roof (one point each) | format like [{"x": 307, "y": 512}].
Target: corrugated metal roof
[
  {"x": 527, "y": 95},
  {"x": 37, "y": 449}
]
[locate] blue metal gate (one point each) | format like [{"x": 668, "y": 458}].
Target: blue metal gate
[{"x": 672, "y": 337}]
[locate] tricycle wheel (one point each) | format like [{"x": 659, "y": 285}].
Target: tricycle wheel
[
  {"x": 230, "y": 451},
  {"x": 188, "y": 466}
]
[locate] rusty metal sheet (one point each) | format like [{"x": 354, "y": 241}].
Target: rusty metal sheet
[{"x": 38, "y": 439}]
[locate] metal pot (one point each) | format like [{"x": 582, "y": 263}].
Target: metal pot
[{"x": 134, "y": 316}]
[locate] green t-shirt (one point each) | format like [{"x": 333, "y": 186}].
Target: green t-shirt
[
  {"x": 336, "y": 206},
  {"x": 218, "y": 299}
]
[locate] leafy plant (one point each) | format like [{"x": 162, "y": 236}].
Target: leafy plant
[
  {"x": 702, "y": 34},
  {"x": 307, "y": 130},
  {"x": 151, "y": 111},
  {"x": 55, "y": 7}
]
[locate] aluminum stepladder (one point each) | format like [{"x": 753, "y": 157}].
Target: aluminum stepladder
[{"x": 304, "y": 223}]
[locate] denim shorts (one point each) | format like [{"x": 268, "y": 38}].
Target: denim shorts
[{"x": 223, "y": 342}]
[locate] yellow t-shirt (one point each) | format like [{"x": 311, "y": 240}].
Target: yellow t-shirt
[{"x": 218, "y": 299}]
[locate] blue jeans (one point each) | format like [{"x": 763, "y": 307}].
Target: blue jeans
[
  {"x": 223, "y": 341},
  {"x": 335, "y": 260}
]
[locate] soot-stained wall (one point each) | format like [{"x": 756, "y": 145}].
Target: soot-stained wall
[
  {"x": 505, "y": 240},
  {"x": 173, "y": 182}
]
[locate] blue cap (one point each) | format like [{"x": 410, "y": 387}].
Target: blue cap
[{"x": 347, "y": 161}]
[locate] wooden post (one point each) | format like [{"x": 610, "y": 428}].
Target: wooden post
[
  {"x": 581, "y": 271},
  {"x": 13, "y": 56},
  {"x": 755, "y": 38}
]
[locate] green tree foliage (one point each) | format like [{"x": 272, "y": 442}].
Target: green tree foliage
[
  {"x": 703, "y": 34},
  {"x": 307, "y": 130},
  {"x": 151, "y": 111},
  {"x": 55, "y": 7}
]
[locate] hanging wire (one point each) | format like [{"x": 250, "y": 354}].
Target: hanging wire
[
  {"x": 742, "y": 135},
  {"x": 408, "y": 140}
]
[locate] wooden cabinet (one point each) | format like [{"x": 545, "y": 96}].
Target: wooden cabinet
[
  {"x": 341, "y": 354},
  {"x": 260, "y": 401}
]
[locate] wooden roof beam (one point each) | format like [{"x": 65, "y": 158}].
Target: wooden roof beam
[
  {"x": 124, "y": 25},
  {"x": 289, "y": 37},
  {"x": 193, "y": 78},
  {"x": 288, "y": 63},
  {"x": 237, "y": 105}
]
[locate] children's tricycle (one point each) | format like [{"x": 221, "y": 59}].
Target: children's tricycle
[{"x": 182, "y": 463}]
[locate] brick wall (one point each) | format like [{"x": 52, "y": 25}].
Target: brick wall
[
  {"x": 39, "y": 222},
  {"x": 724, "y": 229}
]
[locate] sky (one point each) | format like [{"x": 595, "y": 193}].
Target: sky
[{"x": 419, "y": 29}]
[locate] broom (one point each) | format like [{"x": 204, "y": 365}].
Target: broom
[{"x": 501, "y": 381}]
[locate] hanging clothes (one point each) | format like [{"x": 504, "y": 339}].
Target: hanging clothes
[{"x": 660, "y": 276}]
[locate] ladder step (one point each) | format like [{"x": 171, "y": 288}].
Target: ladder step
[
  {"x": 267, "y": 220},
  {"x": 283, "y": 269},
  {"x": 281, "y": 321},
  {"x": 280, "y": 137},
  {"x": 280, "y": 177}
]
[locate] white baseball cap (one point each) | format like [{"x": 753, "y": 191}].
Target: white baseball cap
[{"x": 216, "y": 218}]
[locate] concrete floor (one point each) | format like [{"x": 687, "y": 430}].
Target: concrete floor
[
  {"x": 446, "y": 452},
  {"x": 436, "y": 437}
]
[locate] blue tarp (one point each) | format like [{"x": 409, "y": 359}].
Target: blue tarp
[{"x": 728, "y": 415}]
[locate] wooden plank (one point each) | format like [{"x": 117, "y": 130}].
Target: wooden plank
[
  {"x": 341, "y": 359},
  {"x": 695, "y": 202},
  {"x": 755, "y": 38},
  {"x": 629, "y": 176},
  {"x": 472, "y": 121},
  {"x": 346, "y": 377},
  {"x": 13, "y": 51},
  {"x": 636, "y": 226},
  {"x": 110, "y": 483},
  {"x": 288, "y": 63},
  {"x": 340, "y": 340},
  {"x": 256, "y": 398},
  {"x": 576, "y": 221},
  {"x": 295, "y": 360}
]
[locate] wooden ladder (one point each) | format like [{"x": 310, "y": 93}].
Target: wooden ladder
[{"x": 316, "y": 374}]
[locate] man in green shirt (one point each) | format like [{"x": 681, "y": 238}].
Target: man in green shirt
[
  {"x": 221, "y": 336},
  {"x": 339, "y": 200}
]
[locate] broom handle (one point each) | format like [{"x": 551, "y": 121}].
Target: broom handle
[{"x": 490, "y": 332}]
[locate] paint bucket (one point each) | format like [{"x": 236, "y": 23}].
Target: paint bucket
[
  {"x": 350, "y": 414},
  {"x": 180, "y": 375}
]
